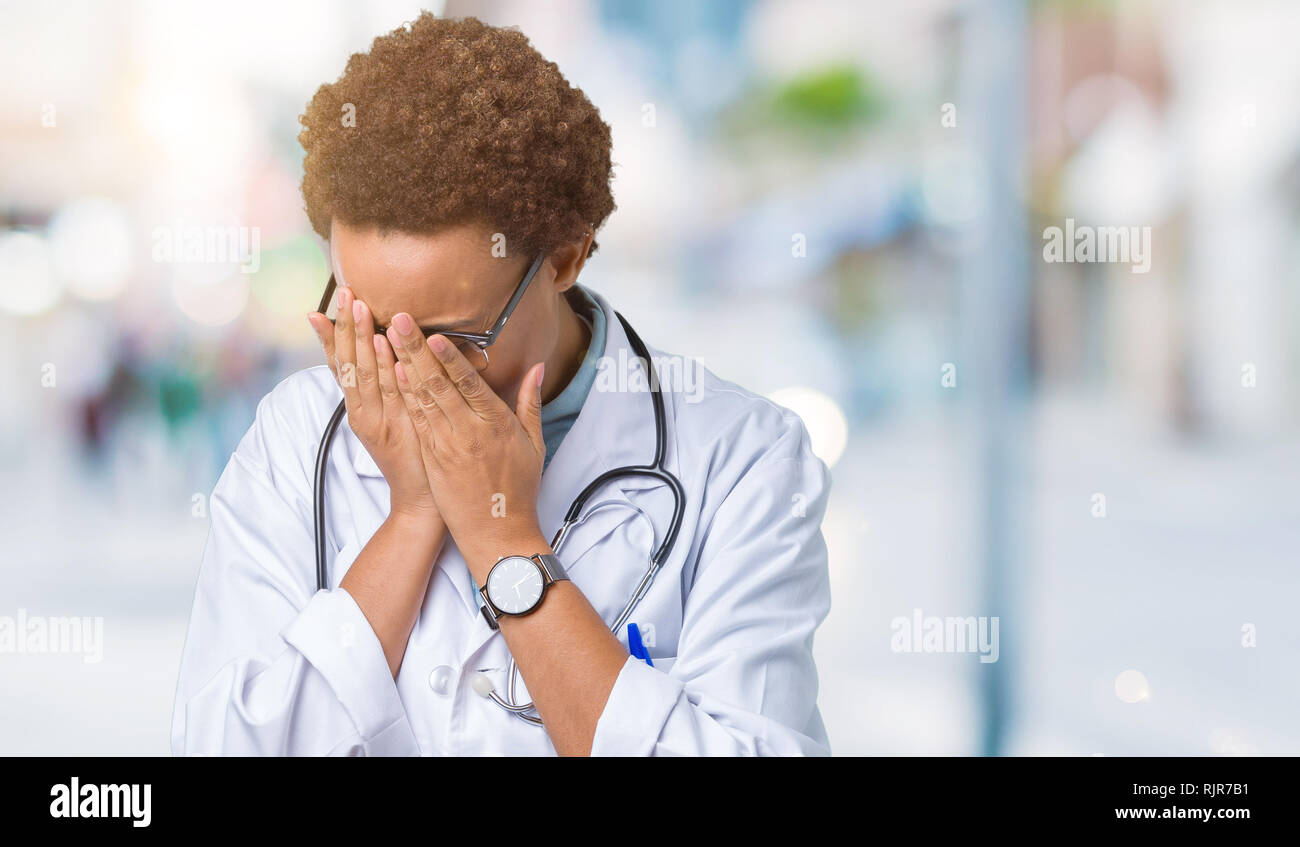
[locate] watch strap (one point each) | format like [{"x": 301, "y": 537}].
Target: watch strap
[{"x": 551, "y": 567}]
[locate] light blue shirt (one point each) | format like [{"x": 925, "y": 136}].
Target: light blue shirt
[{"x": 559, "y": 414}]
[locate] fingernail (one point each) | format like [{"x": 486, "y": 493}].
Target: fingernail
[
  {"x": 356, "y": 311},
  {"x": 541, "y": 372},
  {"x": 403, "y": 323},
  {"x": 438, "y": 343},
  {"x": 379, "y": 344}
]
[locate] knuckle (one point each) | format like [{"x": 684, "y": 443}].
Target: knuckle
[
  {"x": 469, "y": 386},
  {"x": 441, "y": 387}
]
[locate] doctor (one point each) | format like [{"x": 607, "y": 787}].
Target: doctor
[{"x": 454, "y": 456}]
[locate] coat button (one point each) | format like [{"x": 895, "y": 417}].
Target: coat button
[{"x": 440, "y": 679}]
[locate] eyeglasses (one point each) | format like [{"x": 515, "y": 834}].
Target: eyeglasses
[{"x": 479, "y": 341}]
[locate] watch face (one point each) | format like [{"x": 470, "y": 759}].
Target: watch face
[{"x": 515, "y": 584}]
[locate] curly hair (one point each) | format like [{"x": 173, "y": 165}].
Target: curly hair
[{"x": 456, "y": 122}]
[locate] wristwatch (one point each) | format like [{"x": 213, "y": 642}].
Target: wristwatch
[{"x": 516, "y": 585}]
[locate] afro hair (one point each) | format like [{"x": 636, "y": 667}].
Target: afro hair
[{"x": 451, "y": 121}]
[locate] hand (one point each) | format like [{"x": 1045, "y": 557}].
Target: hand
[
  {"x": 363, "y": 365},
  {"x": 483, "y": 460}
]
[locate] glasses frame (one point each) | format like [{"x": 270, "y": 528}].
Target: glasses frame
[{"x": 481, "y": 340}]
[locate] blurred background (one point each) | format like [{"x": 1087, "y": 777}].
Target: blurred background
[{"x": 845, "y": 205}]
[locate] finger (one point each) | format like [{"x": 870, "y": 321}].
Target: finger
[
  {"x": 425, "y": 434},
  {"x": 529, "y": 408},
  {"x": 425, "y": 419},
  {"x": 428, "y": 380},
  {"x": 345, "y": 348},
  {"x": 325, "y": 335},
  {"x": 476, "y": 393},
  {"x": 367, "y": 378},
  {"x": 389, "y": 394}
]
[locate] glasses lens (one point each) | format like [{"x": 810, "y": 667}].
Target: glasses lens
[{"x": 473, "y": 353}]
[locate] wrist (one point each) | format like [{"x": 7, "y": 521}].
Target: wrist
[
  {"x": 416, "y": 520},
  {"x": 506, "y": 541}
]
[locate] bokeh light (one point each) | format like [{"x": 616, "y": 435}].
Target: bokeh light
[
  {"x": 28, "y": 285},
  {"x": 828, "y": 428},
  {"x": 1131, "y": 687},
  {"x": 90, "y": 242}
]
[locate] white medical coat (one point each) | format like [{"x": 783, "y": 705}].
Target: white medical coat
[{"x": 271, "y": 666}]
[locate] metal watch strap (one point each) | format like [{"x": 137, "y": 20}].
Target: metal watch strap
[{"x": 551, "y": 567}]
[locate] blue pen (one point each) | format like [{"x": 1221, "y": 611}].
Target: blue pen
[{"x": 634, "y": 645}]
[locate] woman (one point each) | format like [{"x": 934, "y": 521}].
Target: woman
[{"x": 460, "y": 181}]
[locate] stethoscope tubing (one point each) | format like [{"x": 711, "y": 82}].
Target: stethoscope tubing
[{"x": 318, "y": 512}]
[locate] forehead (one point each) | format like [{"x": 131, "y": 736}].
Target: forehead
[{"x": 450, "y": 278}]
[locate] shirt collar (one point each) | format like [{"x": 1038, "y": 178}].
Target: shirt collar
[{"x": 559, "y": 414}]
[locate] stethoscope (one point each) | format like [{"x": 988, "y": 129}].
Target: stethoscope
[{"x": 654, "y": 470}]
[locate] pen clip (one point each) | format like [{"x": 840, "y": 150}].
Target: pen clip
[{"x": 634, "y": 645}]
